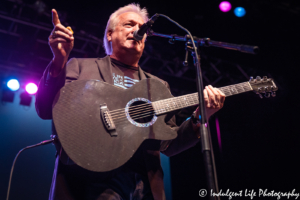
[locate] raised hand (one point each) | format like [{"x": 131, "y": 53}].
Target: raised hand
[{"x": 61, "y": 42}]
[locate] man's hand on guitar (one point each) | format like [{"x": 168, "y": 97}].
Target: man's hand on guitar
[
  {"x": 61, "y": 42},
  {"x": 214, "y": 101}
]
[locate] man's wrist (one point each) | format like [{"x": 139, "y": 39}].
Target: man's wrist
[{"x": 57, "y": 66}]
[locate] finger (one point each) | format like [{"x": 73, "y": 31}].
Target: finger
[
  {"x": 57, "y": 40},
  {"x": 55, "y": 19},
  {"x": 216, "y": 93},
  {"x": 60, "y": 34},
  {"x": 205, "y": 96},
  {"x": 61, "y": 28},
  {"x": 211, "y": 97},
  {"x": 222, "y": 96}
]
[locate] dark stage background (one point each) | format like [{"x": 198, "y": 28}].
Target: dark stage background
[{"x": 259, "y": 137}]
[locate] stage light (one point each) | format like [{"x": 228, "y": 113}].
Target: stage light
[
  {"x": 239, "y": 11},
  {"x": 8, "y": 90},
  {"x": 31, "y": 88},
  {"x": 225, "y": 6},
  {"x": 25, "y": 99},
  {"x": 13, "y": 84},
  {"x": 7, "y": 95}
]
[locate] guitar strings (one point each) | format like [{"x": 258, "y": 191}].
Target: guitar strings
[
  {"x": 240, "y": 89},
  {"x": 148, "y": 114},
  {"x": 132, "y": 114},
  {"x": 137, "y": 115},
  {"x": 134, "y": 117},
  {"x": 135, "y": 109},
  {"x": 138, "y": 108},
  {"x": 132, "y": 108},
  {"x": 241, "y": 85}
]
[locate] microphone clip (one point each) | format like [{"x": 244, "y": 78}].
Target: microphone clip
[{"x": 139, "y": 34}]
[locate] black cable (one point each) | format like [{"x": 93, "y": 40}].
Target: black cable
[{"x": 13, "y": 165}]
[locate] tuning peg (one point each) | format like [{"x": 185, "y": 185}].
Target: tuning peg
[
  {"x": 265, "y": 78},
  {"x": 251, "y": 78},
  {"x": 267, "y": 95},
  {"x": 275, "y": 88},
  {"x": 260, "y": 90},
  {"x": 258, "y": 78},
  {"x": 273, "y": 94},
  {"x": 267, "y": 89},
  {"x": 259, "y": 94}
]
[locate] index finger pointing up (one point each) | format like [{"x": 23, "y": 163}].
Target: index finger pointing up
[{"x": 55, "y": 19}]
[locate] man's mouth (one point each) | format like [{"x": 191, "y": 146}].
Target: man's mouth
[{"x": 132, "y": 39}]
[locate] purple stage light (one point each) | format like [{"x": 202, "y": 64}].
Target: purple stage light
[
  {"x": 225, "y": 6},
  {"x": 31, "y": 88},
  {"x": 218, "y": 133}
]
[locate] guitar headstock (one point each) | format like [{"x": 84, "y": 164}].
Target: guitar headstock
[{"x": 263, "y": 85}]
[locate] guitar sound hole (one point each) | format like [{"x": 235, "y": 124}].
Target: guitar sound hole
[{"x": 141, "y": 112}]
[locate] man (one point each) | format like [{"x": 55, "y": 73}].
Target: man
[{"x": 141, "y": 177}]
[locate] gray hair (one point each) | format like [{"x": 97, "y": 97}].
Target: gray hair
[{"x": 113, "y": 21}]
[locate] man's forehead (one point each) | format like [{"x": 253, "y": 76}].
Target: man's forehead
[{"x": 131, "y": 16}]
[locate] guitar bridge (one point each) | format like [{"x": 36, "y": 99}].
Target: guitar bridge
[{"x": 107, "y": 120}]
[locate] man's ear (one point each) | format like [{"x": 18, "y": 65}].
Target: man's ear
[{"x": 108, "y": 35}]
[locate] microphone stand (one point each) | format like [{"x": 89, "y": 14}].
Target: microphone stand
[
  {"x": 207, "y": 150},
  {"x": 207, "y": 42}
]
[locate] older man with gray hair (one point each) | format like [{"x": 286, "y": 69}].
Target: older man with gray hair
[{"x": 141, "y": 177}]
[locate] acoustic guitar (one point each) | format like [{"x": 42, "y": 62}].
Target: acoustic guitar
[{"x": 101, "y": 126}]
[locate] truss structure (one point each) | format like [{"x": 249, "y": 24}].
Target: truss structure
[{"x": 24, "y": 32}]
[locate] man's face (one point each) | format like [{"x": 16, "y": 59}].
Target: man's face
[{"x": 122, "y": 37}]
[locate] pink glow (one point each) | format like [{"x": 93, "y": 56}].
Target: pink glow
[
  {"x": 31, "y": 88},
  {"x": 218, "y": 133},
  {"x": 225, "y": 6}
]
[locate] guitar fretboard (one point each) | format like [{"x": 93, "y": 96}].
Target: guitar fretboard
[{"x": 175, "y": 103}]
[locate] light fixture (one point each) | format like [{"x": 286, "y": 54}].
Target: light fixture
[
  {"x": 225, "y": 6},
  {"x": 239, "y": 11},
  {"x": 31, "y": 88},
  {"x": 13, "y": 84}
]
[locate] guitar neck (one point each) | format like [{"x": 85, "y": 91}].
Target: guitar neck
[{"x": 175, "y": 103}]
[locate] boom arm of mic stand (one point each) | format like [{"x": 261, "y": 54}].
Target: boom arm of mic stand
[
  {"x": 239, "y": 47},
  {"x": 206, "y": 42}
]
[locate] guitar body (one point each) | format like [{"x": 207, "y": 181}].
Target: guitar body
[{"x": 80, "y": 128}]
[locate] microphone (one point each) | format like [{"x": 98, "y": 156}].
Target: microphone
[{"x": 139, "y": 34}]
